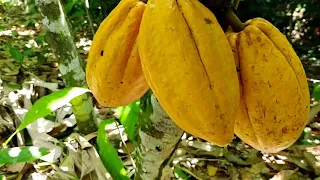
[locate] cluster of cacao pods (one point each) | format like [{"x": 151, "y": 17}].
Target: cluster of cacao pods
[{"x": 212, "y": 84}]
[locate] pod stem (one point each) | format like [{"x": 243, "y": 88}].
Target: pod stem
[
  {"x": 233, "y": 20},
  {"x": 235, "y": 4}
]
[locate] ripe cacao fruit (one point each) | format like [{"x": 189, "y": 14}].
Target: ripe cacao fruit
[
  {"x": 274, "y": 105},
  {"x": 189, "y": 66},
  {"x": 113, "y": 71}
]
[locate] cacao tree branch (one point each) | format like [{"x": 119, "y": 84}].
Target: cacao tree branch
[
  {"x": 157, "y": 139},
  {"x": 70, "y": 64}
]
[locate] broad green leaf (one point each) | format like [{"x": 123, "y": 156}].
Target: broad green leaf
[
  {"x": 21, "y": 154},
  {"x": 109, "y": 155},
  {"x": 16, "y": 54},
  {"x": 47, "y": 104},
  {"x": 129, "y": 117},
  {"x": 316, "y": 91},
  {"x": 179, "y": 174}
]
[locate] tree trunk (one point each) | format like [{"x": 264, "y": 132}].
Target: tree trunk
[
  {"x": 158, "y": 136},
  {"x": 70, "y": 64}
]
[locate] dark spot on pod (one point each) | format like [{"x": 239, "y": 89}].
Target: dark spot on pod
[
  {"x": 121, "y": 82},
  {"x": 158, "y": 148},
  {"x": 101, "y": 53},
  {"x": 238, "y": 69},
  {"x": 259, "y": 39},
  {"x": 284, "y": 130},
  {"x": 208, "y": 21}
]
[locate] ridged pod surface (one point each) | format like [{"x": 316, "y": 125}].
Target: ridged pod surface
[
  {"x": 189, "y": 65},
  {"x": 274, "y": 105},
  {"x": 113, "y": 71}
]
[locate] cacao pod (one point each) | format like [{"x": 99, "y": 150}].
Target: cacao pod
[
  {"x": 275, "y": 102},
  {"x": 113, "y": 71},
  {"x": 189, "y": 66}
]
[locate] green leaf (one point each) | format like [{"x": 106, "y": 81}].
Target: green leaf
[
  {"x": 28, "y": 52},
  {"x": 79, "y": 13},
  {"x": 316, "y": 91},
  {"x": 2, "y": 27},
  {"x": 109, "y": 155},
  {"x": 21, "y": 154},
  {"x": 69, "y": 5},
  {"x": 16, "y": 54},
  {"x": 14, "y": 86},
  {"x": 179, "y": 174},
  {"x": 47, "y": 104},
  {"x": 129, "y": 117},
  {"x": 14, "y": 33},
  {"x": 41, "y": 59}
]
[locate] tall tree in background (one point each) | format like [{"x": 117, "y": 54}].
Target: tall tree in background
[{"x": 71, "y": 66}]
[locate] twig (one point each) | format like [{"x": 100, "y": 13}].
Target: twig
[
  {"x": 89, "y": 16},
  {"x": 189, "y": 172}
]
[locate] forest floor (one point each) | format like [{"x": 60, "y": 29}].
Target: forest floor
[{"x": 28, "y": 68}]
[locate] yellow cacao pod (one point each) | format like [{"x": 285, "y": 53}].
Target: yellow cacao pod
[
  {"x": 274, "y": 104},
  {"x": 189, "y": 65},
  {"x": 113, "y": 71}
]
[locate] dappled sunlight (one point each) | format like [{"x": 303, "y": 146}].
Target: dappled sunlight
[
  {"x": 277, "y": 159},
  {"x": 14, "y": 152},
  {"x": 18, "y": 30},
  {"x": 35, "y": 151},
  {"x": 42, "y": 125},
  {"x": 64, "y": 168},
  {"x": 32, "y": 44},
  {"x": 69, "y": 122},
  {"x": 85, "y": 43},
  {"x": 20, "y": 139},
  {"x": 107, "y": 175},
  {"x": 54, "y": 154}
]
